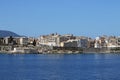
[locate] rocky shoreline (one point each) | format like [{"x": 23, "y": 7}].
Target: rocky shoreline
[
  {"x": 57, "y": 50},
  {"x": 35, "y": 51}
]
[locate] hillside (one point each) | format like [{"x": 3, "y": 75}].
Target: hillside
[{"x": 4, "y": 33}]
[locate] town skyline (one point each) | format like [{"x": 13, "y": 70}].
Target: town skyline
[
  {"x": 93, "y": 37},
  {"x": 57, "y": 43}
]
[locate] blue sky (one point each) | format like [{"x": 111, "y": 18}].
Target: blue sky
[{"x": 80, "y": 17}]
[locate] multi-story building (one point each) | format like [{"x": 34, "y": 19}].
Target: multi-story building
[
  {"x": 118, "y": 41},
  {"x": 8, "y": 40},
  {"x": 49, "y": 40},
  {"x": 91, "y": 43},
  {"x": 69, "y": 43},
  {"x": 23, "y": 40},
  {"x": 1, "y": 41},
  {"x": 31, "y": 40},
  {"x": 54, "y": 39},
  {"x": 112, "y": 42},
  {"x": 101, "y": 42},
  {"x": 82, "y": 41},
  {"x": 97, "y": 43}
]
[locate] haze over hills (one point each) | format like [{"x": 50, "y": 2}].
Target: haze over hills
[{"x": 5, "y": 33}]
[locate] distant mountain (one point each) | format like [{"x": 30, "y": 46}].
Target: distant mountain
[{"x": 4, "y": 33}]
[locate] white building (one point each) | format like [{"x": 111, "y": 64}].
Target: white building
[
  {"x": 49, "y": 40},
  {"x": 118, "y": 41},
  {"x": 97, "y": 43},
  {"x": 6, "y": 40},
  {"x": 23, "y": 40},
  {"x": 69, "y": 43},
  {"x": 83, "y": 43},
  {"x": 101, "y": 42},
  {"x": 112, "y": 42}
]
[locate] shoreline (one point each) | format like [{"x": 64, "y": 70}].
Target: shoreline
[
  {"x": 7, "y": 52},
  {"x": 55, "y": 50}
]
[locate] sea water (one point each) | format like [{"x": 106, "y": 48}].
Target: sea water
[{"x": 60, "y": 66}]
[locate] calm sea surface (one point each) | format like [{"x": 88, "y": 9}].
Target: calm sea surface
[{"x": 59, "y": 67}]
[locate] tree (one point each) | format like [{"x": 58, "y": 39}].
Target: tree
[
  {"x": 10, "y": 39},
  {"x": 34, "y": 43}
]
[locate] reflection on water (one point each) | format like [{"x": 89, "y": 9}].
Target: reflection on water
[{"x": 59, "y": 66}]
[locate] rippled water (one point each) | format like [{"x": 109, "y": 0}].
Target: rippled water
[{"x": 59, "y": 67}]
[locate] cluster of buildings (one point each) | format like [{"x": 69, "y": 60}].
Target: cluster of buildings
[
  {"x": 57, "y": 40},
  {"x": 69, "y": 40}
]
